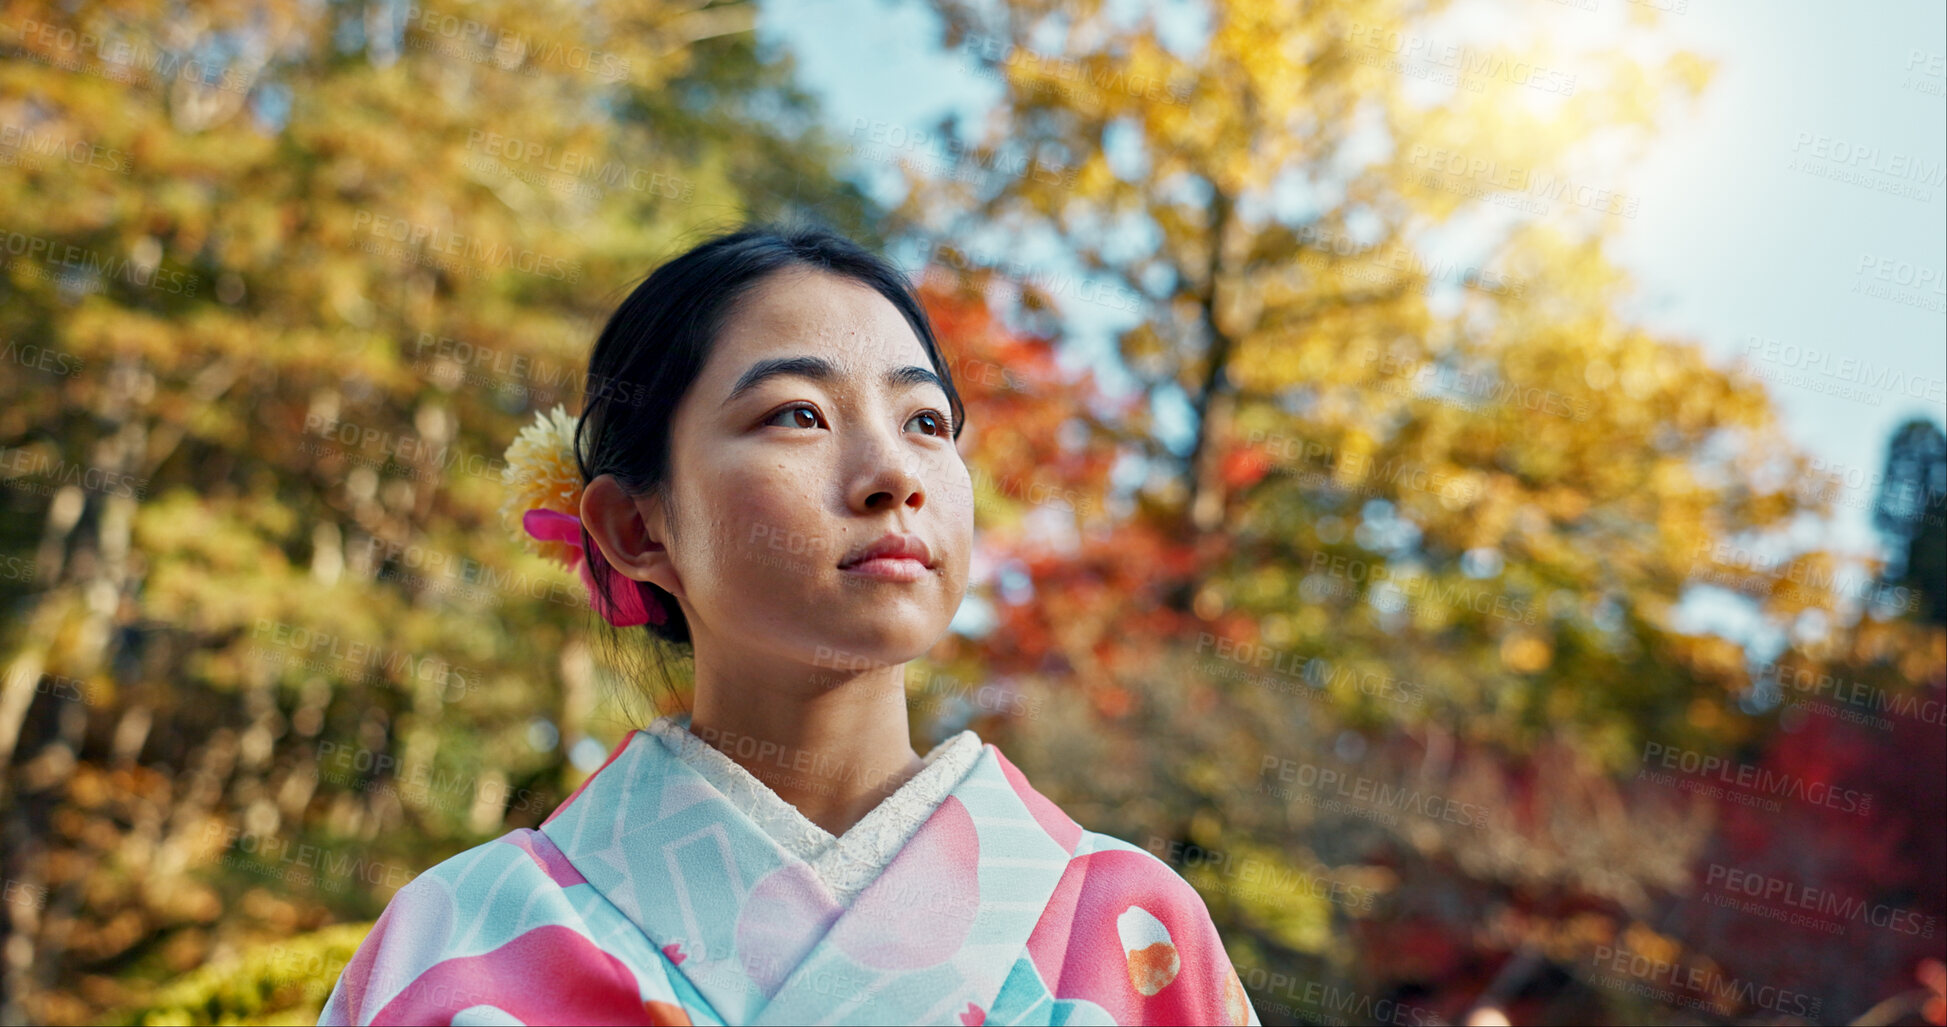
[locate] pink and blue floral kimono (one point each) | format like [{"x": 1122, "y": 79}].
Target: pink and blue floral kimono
[{"x": 654, "y": 896}]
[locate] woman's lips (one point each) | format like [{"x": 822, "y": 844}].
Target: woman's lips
[
  {"x": 888, "y": 550},
  {"x": 889, "y": 568}
]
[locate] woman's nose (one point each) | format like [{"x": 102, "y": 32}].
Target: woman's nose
[
  {"x": 892, "y": 485},
  {"x": 892, "y": 475}
]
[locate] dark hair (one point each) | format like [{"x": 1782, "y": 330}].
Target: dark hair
[{"x": 659, "y": 338}]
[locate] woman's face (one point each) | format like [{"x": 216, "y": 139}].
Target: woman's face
[{"x": 817, "y": 427}]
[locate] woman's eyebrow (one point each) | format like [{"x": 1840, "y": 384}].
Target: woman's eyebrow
[{"x": 821, "y": 370}]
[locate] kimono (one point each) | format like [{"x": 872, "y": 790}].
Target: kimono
[{"x": 650, "y": 897}]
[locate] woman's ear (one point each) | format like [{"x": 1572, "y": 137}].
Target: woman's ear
[{"x": 628, "y": 529}]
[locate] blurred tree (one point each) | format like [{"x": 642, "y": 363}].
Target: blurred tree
[
  {"x": 1404, "y": 498},
  {"x": 282, "y": 280},
  {"x": 1862, "y": 707},
  {"x": 1434, "y": 501},
  {"x": 1415, "y": 460},
  {"x": 1911, "y": 510},
  {"x": 283, "y": 982}
]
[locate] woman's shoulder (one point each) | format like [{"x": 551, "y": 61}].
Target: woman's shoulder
[
  {"x": 459, "y": 933},
  {"x": 1134, "y": 866},
  {"x": 524, "y": 852},
  {"x": 1121, "y": 871},
  {"x": 498, "y": 887},
  {"x": 1117, "y": 897}
]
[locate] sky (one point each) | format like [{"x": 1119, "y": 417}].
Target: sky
[{"x": 1795, "y": 220}]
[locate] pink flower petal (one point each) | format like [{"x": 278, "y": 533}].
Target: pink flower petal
[
  {"x": 628, "y": 609},
  {"x": 553, "y": 526}
]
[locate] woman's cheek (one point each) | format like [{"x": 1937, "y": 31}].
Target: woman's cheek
[
  {"x": 771, "y": 526},
  {"x": 960, "y": 493},
  {"x": 958, "y": 521},
  {"x": 726, "y": 539}
]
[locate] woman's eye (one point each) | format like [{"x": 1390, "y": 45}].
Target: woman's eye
[
  {"x": 938, "y": 422},
  {"x": 805, "y": 414}
]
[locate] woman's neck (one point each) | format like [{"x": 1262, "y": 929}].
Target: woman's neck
[{"x": 834, "y": 751}]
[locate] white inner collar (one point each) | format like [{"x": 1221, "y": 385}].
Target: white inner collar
[{"x": 846, "y": 864}]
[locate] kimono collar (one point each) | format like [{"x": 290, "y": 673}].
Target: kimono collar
[
  {"x": 845, "y": 864},
  {"x": 749, "y": 926}
]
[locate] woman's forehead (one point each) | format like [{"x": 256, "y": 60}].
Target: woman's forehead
[{"x": 815, "y": 314}]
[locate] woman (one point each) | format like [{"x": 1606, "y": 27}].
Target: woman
[{"x": 769, "y": 446}]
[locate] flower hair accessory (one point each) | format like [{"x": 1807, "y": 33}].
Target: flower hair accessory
[{"x": 544, "y": 483}]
